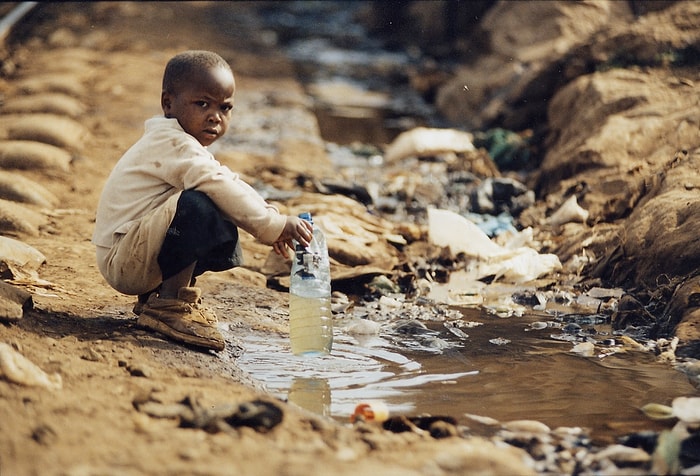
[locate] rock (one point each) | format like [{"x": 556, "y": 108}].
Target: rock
[
  {"x": 686, "y": 409},
  {"x": 631, "y": 312},
  {"x": 626, "y": 111},
  {"x": 585, "y": 349},
  {"x": 79, "y": 62},
  {"x": 688, "y": 330},
  {"x": 621, "y": 454},
  {"x": 659, "y": 234},
  {"x": 243, "y": 275},
  {"x": 510, "y": 81},
  {"x": 478, "y": 456},
  {"x": 13, "y": 302},
  {"x": 624, "y": 115},
  {"x": 44, "y": 434},
  {"x": 16, "y": 368}
]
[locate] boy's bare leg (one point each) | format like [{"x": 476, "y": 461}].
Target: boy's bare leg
[{"x": 171, "y": 286}]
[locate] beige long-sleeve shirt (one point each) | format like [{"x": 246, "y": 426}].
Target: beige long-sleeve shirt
[{"x": 165, "y": 161}]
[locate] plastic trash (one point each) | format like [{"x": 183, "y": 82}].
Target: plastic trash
[
  {"x": 424, "y": 141},
  {"x": 515, "y": 262},
  {"x": 569, "y": 211},
  {"x": 372, "y": 410},
  {"x": 16, "y": 368}
]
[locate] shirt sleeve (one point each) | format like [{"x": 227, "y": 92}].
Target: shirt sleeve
[{"x": 194, "y": 167}]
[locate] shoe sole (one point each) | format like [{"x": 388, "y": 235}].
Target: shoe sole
[{"x": 150, "y": 323}]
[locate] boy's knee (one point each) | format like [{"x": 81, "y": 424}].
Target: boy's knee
[{"x": 194, "y": 201}]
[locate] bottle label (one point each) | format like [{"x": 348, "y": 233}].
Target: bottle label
[{"x": 309, "y": 263}]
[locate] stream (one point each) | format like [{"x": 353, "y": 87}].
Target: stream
[
  {"x": 520, "y": 367},
  {"x": 504, "y": 370}
]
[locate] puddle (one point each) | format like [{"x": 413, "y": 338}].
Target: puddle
[
  {"x": 503, "y": 370},
  {"x": 332, "y": 385}
]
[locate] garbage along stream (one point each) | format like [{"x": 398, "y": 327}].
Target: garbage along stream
[{"x": 465, "y": 349}]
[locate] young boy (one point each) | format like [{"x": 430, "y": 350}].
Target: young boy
[{"x": 170, "y": 211}]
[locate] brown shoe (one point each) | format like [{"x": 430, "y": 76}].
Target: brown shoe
[
  {"x": 183, "y": 319},
  {"x": 142, "y": 300}
]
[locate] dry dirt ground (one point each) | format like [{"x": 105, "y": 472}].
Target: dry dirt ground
[{"x": 112, "y": 56}]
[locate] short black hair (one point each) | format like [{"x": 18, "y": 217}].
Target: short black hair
[{"x": 183, "y": 66}]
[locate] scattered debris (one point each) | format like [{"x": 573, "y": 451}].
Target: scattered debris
[
  {"x": 261, "y": 415},
  {"x": 569, "y": 211},
  {"x": 16, "y": 368},
  {"x": 423, "y": 141}
]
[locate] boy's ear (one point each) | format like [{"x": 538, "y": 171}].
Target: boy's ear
[{"x": 165, "y": 101}]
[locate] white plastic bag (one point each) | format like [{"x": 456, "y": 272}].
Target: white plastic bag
[{"x": 518, "y": 264}]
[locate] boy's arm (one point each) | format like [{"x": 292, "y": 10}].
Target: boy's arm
[
  {"x": 245, "y": 207},
  {"x": 192, "y": 167}
]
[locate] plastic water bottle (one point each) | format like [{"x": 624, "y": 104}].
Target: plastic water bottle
[{"x": 310, "y": 318}]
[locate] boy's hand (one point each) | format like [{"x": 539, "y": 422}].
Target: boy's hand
[{"x": 295, "y": 229}]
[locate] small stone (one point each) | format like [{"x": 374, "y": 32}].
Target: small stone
[
  {"x": 687, "y": 409},
  {"x": 484, "y": 420},
  {"x": 529, "y": 426},
  {"x": 139, "y": 371},
  {"x": 586, "y": 349},
  {"x": 622, "y": 454},
  {"x": 499, "y": 341},
  {"x": 91, "y": 355},
  {"x": 443, "y": 429},
  {"x": 44, "y": 435}
]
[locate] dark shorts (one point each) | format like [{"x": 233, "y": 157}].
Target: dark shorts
[{"x": 198, "y": 232}]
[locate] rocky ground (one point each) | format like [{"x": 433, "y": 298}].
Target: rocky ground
[{"x": 108, "y": 398}]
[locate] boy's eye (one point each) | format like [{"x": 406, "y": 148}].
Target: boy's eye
[
  {"x": 202, "y": 104},
  {"x": 226, "y": 108}
]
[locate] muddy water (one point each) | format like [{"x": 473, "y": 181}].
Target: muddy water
[{"x": 531, "y": 377}]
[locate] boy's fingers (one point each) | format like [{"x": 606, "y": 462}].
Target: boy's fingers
[{"x": 281, "y": 249}]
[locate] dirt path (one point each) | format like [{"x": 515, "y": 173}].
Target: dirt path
[{"x": 115, "y": 411}]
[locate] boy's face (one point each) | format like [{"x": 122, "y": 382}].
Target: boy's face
[{"x": 203, "y": 105}]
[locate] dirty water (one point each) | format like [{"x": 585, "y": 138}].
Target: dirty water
[{"x": 504, "y": 369}]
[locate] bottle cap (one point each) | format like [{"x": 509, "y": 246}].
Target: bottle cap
[
  {"x": 370, "y": 411},
  {"x": 306, "y": 216}
]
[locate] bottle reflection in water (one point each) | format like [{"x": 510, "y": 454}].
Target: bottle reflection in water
[
  {"x": 312, "y": 394},
  {"x": 310, "y": 317}
]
